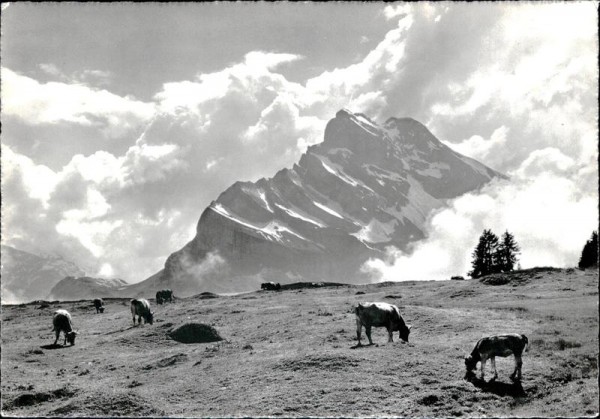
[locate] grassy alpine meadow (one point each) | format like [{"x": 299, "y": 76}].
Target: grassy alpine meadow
[{"x": 293, "y": 353}]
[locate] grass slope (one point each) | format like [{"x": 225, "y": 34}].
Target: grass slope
[{"x": 291, "y": 353}]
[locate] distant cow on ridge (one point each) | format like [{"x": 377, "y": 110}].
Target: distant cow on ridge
[
  {"x": 99, "y": 304},
  {"x": 380, "y": 315},
  {"x": 62, "y": 323},
  {"x": 270, "y": 286},
  {"x": 493, "y": 346},
  {"x": 141, "y": 308},
  {"x": 164, "y": 296}
]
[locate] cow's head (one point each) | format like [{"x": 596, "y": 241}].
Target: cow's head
[
  {"x": 71, "y": 337},
  {"x": 470, "y": 363},
  {"x": 150, "y": 317},
  {"x": 101, "y": 309},
  {"x": 404, "y": 332}
]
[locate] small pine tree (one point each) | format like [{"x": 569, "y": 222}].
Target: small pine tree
[
  {"x": 508, "y": 249},
  {"x": 589, "y": 254},
  {"x": 484, "y": 255}
]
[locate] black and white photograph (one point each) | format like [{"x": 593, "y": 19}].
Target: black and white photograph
[{"x": 299, "y": 209}]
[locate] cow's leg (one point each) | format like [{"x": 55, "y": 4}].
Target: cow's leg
[
  {"x": 516, "y": 375},
  {"x": 493, "y": 360},
  {"x": 358, "y": 331},
  {"x": 65, "y": 342},
  {"x": 57, "y": 334},
  {"x": 134, "y": 320},
  {"x": 389, "y": 330},
  {"x": 368, "y": 333},
  {"x": 483, "y": 361}
]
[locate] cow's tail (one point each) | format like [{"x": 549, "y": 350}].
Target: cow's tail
[{"x": 526, "y": 347}]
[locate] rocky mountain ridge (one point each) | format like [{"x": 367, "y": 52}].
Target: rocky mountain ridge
[
  {"x": 72, "y": 288},
  {"x": 365, "y": 187}
]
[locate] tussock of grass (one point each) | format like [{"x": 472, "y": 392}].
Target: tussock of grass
[
  {"x": 562, "y": 344},
  {"x": 195, "y": 333}
]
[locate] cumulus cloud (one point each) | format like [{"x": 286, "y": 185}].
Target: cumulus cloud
[
  {"x": 391, "y": 12},
  {"x": 88, "y": 212},
  {"x": 54, "y": 102},
  {"x": 482, "y": 149}
]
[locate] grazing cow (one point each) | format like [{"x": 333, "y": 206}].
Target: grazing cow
[
  {"x": 164, "y": 296},
  {"x": 380, "y": 315},
  {"x": 501, "y": 345},
  {"x": 270, "y": 286},
  {"x": 62, "y": 323},
  {"x": 141, "y": 308},
  {"x": 99, "y": 304}
]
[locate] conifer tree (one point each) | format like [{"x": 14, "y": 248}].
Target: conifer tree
[
  {"x": 506, "y": 257},
  {"x": 589, "y": 254},
  {"x": 484, "y": 255}
]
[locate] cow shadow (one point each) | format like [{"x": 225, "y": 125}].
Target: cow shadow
[
  {"x": 514, "y": 389},
  {"x": 377, "y": 345},
  {"x": 357, "y": 346},
  {"x": 53, "y": 346},
  {"x": 119, "y": 330}
]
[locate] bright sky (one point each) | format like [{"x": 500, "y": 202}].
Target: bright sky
[{"x": 122, "y": 122}]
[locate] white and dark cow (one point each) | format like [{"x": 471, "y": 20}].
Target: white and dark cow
[
  {"x": 141, "y": 308},
  {"x": 500, "y": 345},
  {"x": 380, "y": 315},
  {"x": 164, "y": 296},
  {"x": 270, "y": 286},
  {"x": 99, "y": 305},
  {"x": 62, "y": 323}
]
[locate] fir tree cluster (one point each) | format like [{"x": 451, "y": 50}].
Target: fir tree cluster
[
  {"x": 589, "y": 254},
  {"x": 493, "y": 254}
]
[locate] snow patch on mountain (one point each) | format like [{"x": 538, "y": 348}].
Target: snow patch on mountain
[
  {"x": 376, "y": 231},
  {"x": 338, "y": 171},
  {"x": 328, "y": 210},
  {"x": 297, "y": 214}
]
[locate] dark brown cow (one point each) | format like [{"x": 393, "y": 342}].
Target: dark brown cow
[
  {"x": 500, "y": 345},
  {"x": 164, "y": 296},
  {"x": 99, "y": 305}
]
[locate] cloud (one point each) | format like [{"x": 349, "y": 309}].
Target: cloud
[
  {"x": 38, "y": 180},
  {"x": 488, "y": 150},
  {"x": 55, "y": 102},
  {"x": 391, "y": 12}
]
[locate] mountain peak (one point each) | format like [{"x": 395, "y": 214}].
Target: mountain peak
[
  {"x": 404, "y": 120},
  {"x": 365, "y": 187}
]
